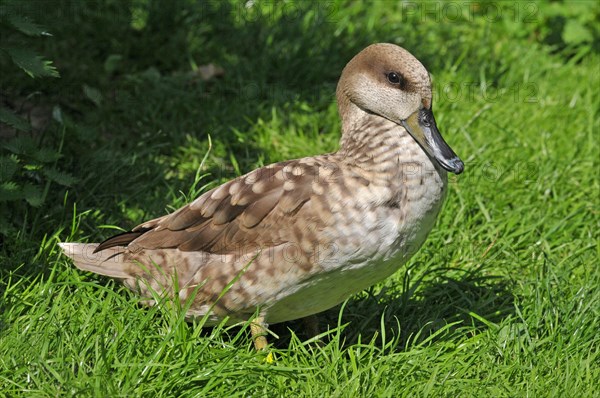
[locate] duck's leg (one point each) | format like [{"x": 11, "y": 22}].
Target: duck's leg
[
  {"x": 311, "y": 325},
  {"x": 258, "y": 329},
  {"x": 312, "y": 329}
]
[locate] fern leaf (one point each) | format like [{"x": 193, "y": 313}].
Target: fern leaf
[
  {"x": 34, "y": 65},
  {"x": 59, "y": 177},
  {"x": 46, "y": 155},
  {"x": 33, "y": 195},
  {"x": 8, "y": 167},
  {"x": 10, "y": 191},
  {"x": 26, "y": 26},
  {"x": 14, "y": 121},
  {"x": 22, "y": 145}
]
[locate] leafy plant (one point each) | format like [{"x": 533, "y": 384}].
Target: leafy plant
[
  {"x": 26, "y": 172},
  {"x": 26, "y": 167},
  {"x": 18, "y": 51}
]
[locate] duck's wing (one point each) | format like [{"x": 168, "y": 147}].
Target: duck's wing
[{"x": 256, "y": 210}]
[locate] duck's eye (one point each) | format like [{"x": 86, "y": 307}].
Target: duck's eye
[{"x": 394, "y": 78}]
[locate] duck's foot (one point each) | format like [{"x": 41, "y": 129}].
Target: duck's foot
[{"x": 258, "y": 329}]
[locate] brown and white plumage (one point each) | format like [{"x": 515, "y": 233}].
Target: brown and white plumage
[{"x": 300, "y": 236}]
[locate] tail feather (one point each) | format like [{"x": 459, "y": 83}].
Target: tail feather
[{"x": 108, "y": 262}]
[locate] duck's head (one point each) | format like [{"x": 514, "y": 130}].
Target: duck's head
[{"x": 386, "y": 80}]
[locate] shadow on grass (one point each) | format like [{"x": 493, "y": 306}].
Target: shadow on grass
[
  {"x": 467, "y": 304},
  {"x": 416, "y": 313}
]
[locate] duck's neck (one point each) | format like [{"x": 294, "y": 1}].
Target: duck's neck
[{"x": 374, "y": 142}]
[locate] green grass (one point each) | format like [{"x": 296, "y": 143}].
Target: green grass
[{"x": 503, "y": 299}]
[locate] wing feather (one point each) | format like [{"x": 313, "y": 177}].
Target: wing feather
[{"x": 253, "y": 210}]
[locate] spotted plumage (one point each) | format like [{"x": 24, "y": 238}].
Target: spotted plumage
[{"x": 295, "y": 238}]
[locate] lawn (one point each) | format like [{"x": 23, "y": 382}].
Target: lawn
[{"x": 503, "y": 299}]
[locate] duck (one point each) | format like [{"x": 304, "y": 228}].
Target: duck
[{"x": 295, "y": 238}]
